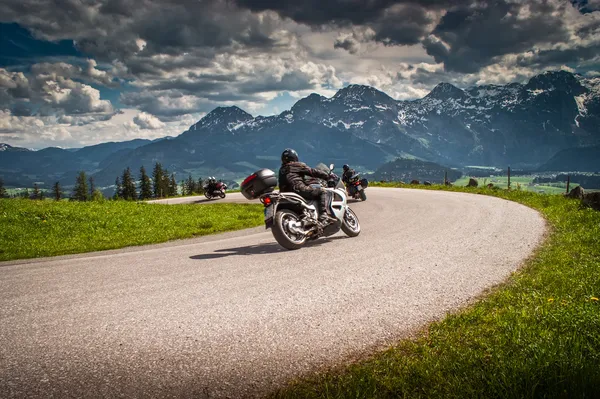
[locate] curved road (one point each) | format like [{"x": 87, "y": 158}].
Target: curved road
[{"x": 234, "y": 315}]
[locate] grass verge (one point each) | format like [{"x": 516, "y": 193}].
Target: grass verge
[
  {"x": 30, "y": 229},
  {"x": 535, "y": 336}
]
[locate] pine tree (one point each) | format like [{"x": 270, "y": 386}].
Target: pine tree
[
  {"x": 57, "y": 191},
  {"x": 183, "y": 187},
  {"x": 3, "y": 193},
  {"x": 80, "y": 192},
  {"x": 25, "y": 193},
  {"x": 173, "y": 186},
  {"x": 92, "y": 187},
  {"x": 164, "y": 183},
  {"x": 118, "y": 189},
  {"x": 157, "y": 179},
  {"x": 190, "y": 186},
  {"x": 40, "y": 195},
  {"x": 129, "y": 192},
  {"x": 200, "y": 186},
  {"x": 36, "y": 192},
  {"x": 97, "y": 196},
  {"x": 145, "y": 185}
]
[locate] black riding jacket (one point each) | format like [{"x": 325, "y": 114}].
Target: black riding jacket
[
  {"x": 297, "y": 177},
  {"x": 347, "y": 175}
]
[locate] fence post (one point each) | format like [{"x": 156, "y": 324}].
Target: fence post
[
  {"x": 568, "y": 182},
  {"x": 509, "y": 177},
  {"x": 445, "y": 177}
]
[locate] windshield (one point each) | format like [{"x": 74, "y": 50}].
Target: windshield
[{"x": 321, "y": 166}]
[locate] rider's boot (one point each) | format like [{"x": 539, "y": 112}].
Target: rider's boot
[{"x": 324, "y": 217}]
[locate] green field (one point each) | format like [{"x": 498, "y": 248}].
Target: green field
[
  {"x": 524, "y": 183},
  {"x": 30, "y": 229},
  {"x": 535, "y": 336}
]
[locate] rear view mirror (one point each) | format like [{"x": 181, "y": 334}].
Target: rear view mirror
[{"x": 331, "y": 166}]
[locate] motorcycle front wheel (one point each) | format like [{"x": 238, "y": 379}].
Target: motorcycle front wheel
[
  {"x": 283, "y": 230},
  {"x": 207, "y": 195},
  {"x": 222, "y": 194},
  {"x": 363, "y": 196},
  {"x": 351, "y": 225}
]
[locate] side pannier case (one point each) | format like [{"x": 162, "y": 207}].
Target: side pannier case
[{"x": 258, "y": 183}]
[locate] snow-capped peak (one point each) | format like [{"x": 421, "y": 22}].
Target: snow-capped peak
[{"x": 231, "y": 117}]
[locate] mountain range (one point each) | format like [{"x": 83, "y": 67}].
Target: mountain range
[{"x": 519, "y": 125}]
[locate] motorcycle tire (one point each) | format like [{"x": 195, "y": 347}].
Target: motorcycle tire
[
  {"x": 351, "y": 225},
  {"x": 207, "y": 195},
  {"x": 222, "y": 194},
  {"x": 279, "y": 230},
  {"x": 363, "y": 196}
]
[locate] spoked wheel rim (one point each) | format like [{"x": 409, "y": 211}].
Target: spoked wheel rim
[
  {"x": 287, "y": 222},
  {"x": 351, "y": 220}
]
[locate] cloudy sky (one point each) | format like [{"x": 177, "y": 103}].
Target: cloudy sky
[{"x": 80, "y": 72}]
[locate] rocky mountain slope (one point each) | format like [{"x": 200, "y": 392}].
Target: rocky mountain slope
[
  {"x": 522, "y": 125},
  {"x": 585, "y": 159}
]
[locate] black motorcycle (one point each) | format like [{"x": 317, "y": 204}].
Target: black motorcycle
[{"x": 355, "y": 187}]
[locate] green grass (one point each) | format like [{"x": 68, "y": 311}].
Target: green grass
[
  {"x": 523, "y": 182},
  {"x": 535, "y": 336},
  {"x": 30, "y": 229}
]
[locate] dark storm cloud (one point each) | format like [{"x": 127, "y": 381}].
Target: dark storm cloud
[
  {"x": 292, "y": 81},
  {"x": 395, "y": 22},
  {"x": 341, "y": 12},
  {"x": 109, "y": 29},
  {"x": 543, "y": 59},
  {"x": 348, "y": 43},
  {"x": 471, "y": 34},
  {"x": 405, "y": 24},
  {"x": 472, "y": 37}
]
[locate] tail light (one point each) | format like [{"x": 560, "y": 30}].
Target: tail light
[
  {"x": 249, "y": 179},
  {"x": 266, "y": 201}
]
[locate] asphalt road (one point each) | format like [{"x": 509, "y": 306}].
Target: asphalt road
[{"x": 235, "y": 315}]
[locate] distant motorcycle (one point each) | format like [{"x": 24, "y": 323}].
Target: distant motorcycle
[
  {"x": 216, "y": 191},
  {"x": 356, "y": 187}
]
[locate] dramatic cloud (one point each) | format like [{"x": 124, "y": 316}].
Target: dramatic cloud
[
  {"x": 465, "y": 36},
  {"x": 147, "y": 121},
  {"x": 171, "y": 61},
  {"x": 49, "y": 91},
  {"x": 244, "y": 80}
]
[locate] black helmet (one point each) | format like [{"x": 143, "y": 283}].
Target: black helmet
[
  {"x": 289, "y": 155},
  {"x": 345, "y": 167}
]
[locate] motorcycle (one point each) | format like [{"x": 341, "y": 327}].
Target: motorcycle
[
  {"x": 292, "y": 219},
  {"x": 356, "y": 187},
  {"x": 218, "y": 190}
]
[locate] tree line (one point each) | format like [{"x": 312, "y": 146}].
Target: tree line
[{"x": 161, "y": 184}]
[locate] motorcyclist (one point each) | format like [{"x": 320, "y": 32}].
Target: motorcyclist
[
  {"x": 348, "y": 173},
  {"x": 211, "y": 184},
  {"x": 296, "y": 176}
]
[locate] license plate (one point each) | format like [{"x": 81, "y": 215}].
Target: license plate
[
  {"x": 269, "y": 215},
  {"x": 359, "y": 188}
]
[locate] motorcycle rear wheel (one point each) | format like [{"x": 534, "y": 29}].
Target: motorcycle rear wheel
[{"x": 282, "y": 233}]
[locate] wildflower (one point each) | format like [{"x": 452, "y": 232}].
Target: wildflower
[{"x": 550, "y": 299}]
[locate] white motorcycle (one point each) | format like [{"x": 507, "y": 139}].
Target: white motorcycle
[{"x": 294, "y": 220}]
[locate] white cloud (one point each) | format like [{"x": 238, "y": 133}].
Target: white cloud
[
  {"x": 147, "y": 121},
  {"x": 40, "y": 132}
]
